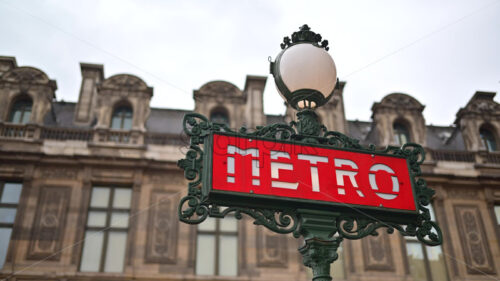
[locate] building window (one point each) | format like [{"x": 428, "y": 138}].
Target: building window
[
  {"x": 217, "y": 247},
  {"x": 401, "y": 134},
  {"x": 337, "y": 271},
  {"x": 425, "y": 263},
  {"x": 122, "y": 118},
  {"x": 488, "y": 139},
  {"x": 20, "y": 112},
  {"x": 106, "y": 230},
  {"x": 10, "y": 194},
  {"x": 219, "y": 115}
]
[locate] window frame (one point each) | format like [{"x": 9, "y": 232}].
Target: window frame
[
  {"x": 428, "y": 271},
  {"x": 217, "y": 233},
  {"x": 10, "y": 205},
  {"x": 107, "y": 228},
  {"x": 120, "y": 112},
  {"x": 23, "y": 99},
  {"x": 491, "y": 138},
  {"x": 495, "y": 219},
  {"x": 397, "y": 127},
  {"x": 220, "y": 111}
]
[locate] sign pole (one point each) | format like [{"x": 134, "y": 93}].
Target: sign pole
[
  {"x": 301, "y": 178},
  {"x": 320, "y": 248}
]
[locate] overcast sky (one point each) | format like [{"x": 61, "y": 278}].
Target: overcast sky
[{"x": 440, "y": 52}]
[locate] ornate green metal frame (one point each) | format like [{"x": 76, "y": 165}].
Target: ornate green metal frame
[{"x": 317, "y": 226}]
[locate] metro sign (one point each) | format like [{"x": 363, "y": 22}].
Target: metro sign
[{"x": 245, "y": 169}]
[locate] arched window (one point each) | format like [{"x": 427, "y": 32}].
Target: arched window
[
  {"x": 219, "y": 115},
  {"x": 21, "y": 111},
  {"x": 488, "y": 139},
  {"x": 122, "y": 118},
  {"x": 401, "y": 134}
]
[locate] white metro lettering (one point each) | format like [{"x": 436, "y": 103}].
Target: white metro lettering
[
  {"x": 276, "y": 166},
  {"x": 313, "y": 159},
  {"x": 255, "y": 162},
  {"x": 346, "y": 172},
  {"x": 373, "y": 181}
]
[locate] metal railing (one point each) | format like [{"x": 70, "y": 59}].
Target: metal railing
[
  {"x": 51, "y": 133},
  {"x": 453, "y": 156}
]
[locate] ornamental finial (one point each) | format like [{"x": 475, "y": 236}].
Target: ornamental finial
[{"x": 305, "y": 35}]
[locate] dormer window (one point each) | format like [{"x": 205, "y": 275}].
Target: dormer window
[
  {"x": 219, "y": 115},
  {"x": 401, "y": 134},
  {"x": 488, "y": 139},
  {"x": 122, "y": 118},
  {"x": 20, "y": 112}
]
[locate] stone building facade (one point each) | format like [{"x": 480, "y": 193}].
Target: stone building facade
[{"x": 89, "y": 190}]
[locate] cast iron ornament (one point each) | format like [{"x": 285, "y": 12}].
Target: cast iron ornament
[
  {"x": 305, "y": 35},
  {"x": 323, "y": 230},
  {"x": 194, "y": 209}
]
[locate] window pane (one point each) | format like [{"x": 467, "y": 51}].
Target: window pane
[
  {"x": 119, "y": 219},
  {"x": 436, "y": 263},
  {"x": 416, "y": 261},
  {"x": 26, "y": 117},
  {"x": 100, "y": 197},
  {"x": 16, "y": 117},
  {"x": 205, "y": 252},
  {"x": 497, "y": 214},
  {"x": 11, "y": 192},
  {"x": 122, "y": 198},
  {"x": 207, "y": 225},
  {"x": 127, "y": 123},
  {"x": 229, "y": 224},
  {"x": 7, "y": 215},
  {"x": 4, "y": 243},
  {"x": 228, "y": 255},
  {"x": 92, "y": 249},
  {"x": 115, "y": 254},
  {"x": 116, "y": 122},
  {"x": 96, "y": 219}
]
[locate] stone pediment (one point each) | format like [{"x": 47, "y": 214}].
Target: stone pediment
[
  {"x": 217, "y": 88},
  {"x": 124, "y": 82},
  {"x": 481, "y": 103},
  {"x": 400, "y": 101},
  {"x": 28, "y": 75}
]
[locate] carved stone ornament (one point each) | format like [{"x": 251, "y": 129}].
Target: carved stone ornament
[
  {"x": 475, "y": 245},
  {"x": 125, "y": 82},
  {"x": 26, "y": 75},
  {"x": 377, "y": 253},
  {"x": 271, "y": 248},
  {"x": 161, "y": 244},
  {"x": 48, "y": 232},
  {"x": 219, "y": 88},
  {"x": 482, "y": 106},
  {"x": 399, "y": 101}
]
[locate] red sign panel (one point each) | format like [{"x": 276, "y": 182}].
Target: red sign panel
[{"x": 276, "y": 169}]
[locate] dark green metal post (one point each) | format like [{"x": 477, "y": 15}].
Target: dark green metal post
[{"x": 320, "y": 248}]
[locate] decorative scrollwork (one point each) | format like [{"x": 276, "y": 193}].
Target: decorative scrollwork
[
  {"x": 279, "y": 221},
  {"x": 305, "y": 35},
  {"x": 195, "y": 209}
]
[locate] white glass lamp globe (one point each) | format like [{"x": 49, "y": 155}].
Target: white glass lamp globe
[{"x": 308, "y": 75}]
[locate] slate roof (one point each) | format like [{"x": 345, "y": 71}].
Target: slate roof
[{"x": 169, "y": 121}]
